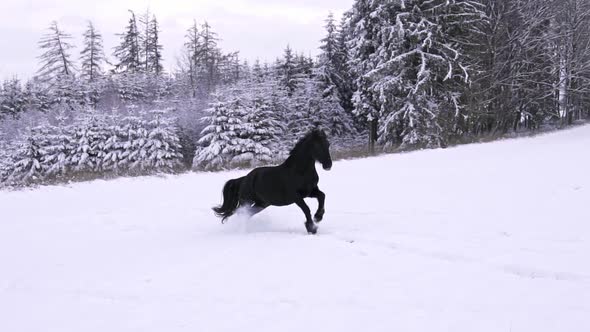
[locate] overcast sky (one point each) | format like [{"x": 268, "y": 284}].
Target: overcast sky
[{"x": 257, "y": 28}]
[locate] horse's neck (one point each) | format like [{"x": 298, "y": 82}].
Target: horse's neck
[{"x": 300, "y": 163}]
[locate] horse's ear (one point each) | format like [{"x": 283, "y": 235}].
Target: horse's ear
[
  {"x": 321, "y": 132},
  {"x": 318, "y": 130}
]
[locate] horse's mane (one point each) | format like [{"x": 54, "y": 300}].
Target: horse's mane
[{"x": 302, "y": 143}]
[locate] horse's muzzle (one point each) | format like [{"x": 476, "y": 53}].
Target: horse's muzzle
[{"x": 327, "y": 166}]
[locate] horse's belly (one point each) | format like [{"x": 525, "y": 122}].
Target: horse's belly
[{"x": 280, "y": 189}]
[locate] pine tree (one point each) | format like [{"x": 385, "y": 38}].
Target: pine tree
[
  {"x": 92, "y": 56},
  {"x": 144, "y": 40},
  {"x": 192, "y": 46},
  {"x": 263, "y": 128},
  {"x": 154, "y": 54},
  {"x": 221, "y": 135},
  {"x": 316, "y": 109},
  {"x": 55, "y": 60},
  {"x": 257, "y": 72},
  {"x": 332, "y": 70},
  {"x": 130, "y": 88},
  {"x": 37, "y": 96},
  {"x": 136, "y": 150},
  {"x": 60, "y": 145},
  {"x": 343, "y": 79},
  {"x": 13, "y": 100},
  {"x": 27, "y": 164},
  {"x": 150, "y": 47},
  {"x": 410, "y": 67},
  {"x": 130, "y": 126},
  {"x": 114, "y": 144},
  {"x": 163, "y": 144},
  {"x": 363, "y": 25},
  {"x": 5, "y": 164},
  {"x": 287, "y": 71},
  {"x": 90, "y": 137},
  {"x": 208, "y": 57},
  {"x": 327, "y": 72},
  {"x": 128, "y": 51}
]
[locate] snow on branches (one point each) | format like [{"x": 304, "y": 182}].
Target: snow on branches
[{"x": 96, "y": 144}]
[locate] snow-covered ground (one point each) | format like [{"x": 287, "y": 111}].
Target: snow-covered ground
[{"x": 488, "y": 237}]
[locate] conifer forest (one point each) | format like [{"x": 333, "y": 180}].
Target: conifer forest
[{"x": 391, "y": 75}]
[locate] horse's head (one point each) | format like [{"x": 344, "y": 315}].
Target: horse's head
[{"x": 320, "y": 148}]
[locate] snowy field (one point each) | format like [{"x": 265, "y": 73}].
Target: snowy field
[{"x": 488, "y": 237}]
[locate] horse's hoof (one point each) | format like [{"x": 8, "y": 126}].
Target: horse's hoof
[
  {"x": 311, "y": 228},
  {"x": 319, "y": 215}
]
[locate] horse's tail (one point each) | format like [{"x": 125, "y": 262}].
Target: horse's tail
[{"x": 231, "y": 195}]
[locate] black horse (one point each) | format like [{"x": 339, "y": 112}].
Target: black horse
[{"x": 282, "y": 185}]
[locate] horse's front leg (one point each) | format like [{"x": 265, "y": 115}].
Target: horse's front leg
[
  {"x": 309, "y": 225},
  {"x": 321, "y": 197}
]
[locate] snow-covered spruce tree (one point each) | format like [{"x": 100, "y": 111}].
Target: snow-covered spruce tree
[
  {"x": 344, "y": 82},
  {"x": 37, "y": 96},
  {"x": 13, "y": 99},
  {"x": 60, "y": 145},
  {"x": 55, "y": 60},
  {"x": 128, "y": 51},
  {"x": 92, "y": 56},
  {"x": 135, "y": 149},
  {"x": 329, "y": 86},
  {"x": 268, "y": 90},
  {"x": 412, "y": 70},
  {"x": 366, "y": 19},
  {"x": 220, "y": 140},
  {"x": 163, "y": 144},
  {"x": 90, "y": 137},
  {"x": 326, "y": 70},
  {"x": 320, "y": 108},
  {"x": 27, "y": 163},
  {"x": 5, "y": 161},
  {"x": 114, "y": 145},
  {"x": 257, "y": 75},
  {"x": 68, "y": 91},
  {"x": 287, "y": 71},
  {"x": 130, "y": 87},
  {"x": 129, "y": 126},
  {"x": 263, "y": 129}
]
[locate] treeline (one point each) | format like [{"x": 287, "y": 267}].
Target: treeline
[
  {"x": 132, "y": 75},
  {"x": 94, "y": 145},
  {"x": 405, "y": 74},
  {"x": 426, "y": 73},
  {"x": 225, "y": 112}
]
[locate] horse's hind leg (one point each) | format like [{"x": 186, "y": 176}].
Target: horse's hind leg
[
  {"x": 251, "y": 208},
  {"x": 309, "y": 225},
  {"x": 321, "y": 197},
  {"x": 256, "y": 209}
]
